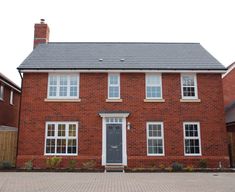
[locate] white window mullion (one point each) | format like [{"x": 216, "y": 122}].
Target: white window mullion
[
  {"x": 115, "y": 92},
  {"x": 194, "y": 138},
  {"x": 189, "y": 94},
  {"x": 153, "y": 86},
  {"x": 66, "y": 87},
  {"x": 56, "y": 133},
  {"x": 63, "y": 138}
]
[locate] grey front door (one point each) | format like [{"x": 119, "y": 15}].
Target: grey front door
[{"x": 114, "y": 143}]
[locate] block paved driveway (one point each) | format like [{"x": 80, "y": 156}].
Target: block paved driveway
[{"x": 117, "y": 182}]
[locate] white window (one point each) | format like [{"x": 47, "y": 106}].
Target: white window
[
  {"x": 63, "y": 86},
  {"x": 155, "y": 141},
  {"x": 114, "y": 86},
  {"x": 1, "y": 92},
  {"x": 11, "y": 97},
  {"x": 153, "y": 86},
  {"x": 61, "y": 138},
  {"x": 189, "y": 86},
  {"x": 192, "y": 143}
]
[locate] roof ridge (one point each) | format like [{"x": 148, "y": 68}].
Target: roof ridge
[{"x": 123, "y": 43}]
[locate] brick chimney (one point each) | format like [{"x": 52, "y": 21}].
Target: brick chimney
[{"x": 41, "y": 33}]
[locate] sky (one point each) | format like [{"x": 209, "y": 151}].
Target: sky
[{"x": 209, "y": 22}]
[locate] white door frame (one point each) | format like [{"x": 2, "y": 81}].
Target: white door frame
[{"x": 123, "y": 123}]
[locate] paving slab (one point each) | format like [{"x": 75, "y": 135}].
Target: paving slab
[{"x": 116, "y": 182}]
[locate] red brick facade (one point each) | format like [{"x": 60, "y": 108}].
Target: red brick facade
[
  {"x": 93, "y": 93},
  {"x": 9, "y": 114},
  {"x": 229, "y": 87}
]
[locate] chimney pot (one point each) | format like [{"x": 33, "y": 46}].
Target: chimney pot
[{"x": 42, "y": 21}]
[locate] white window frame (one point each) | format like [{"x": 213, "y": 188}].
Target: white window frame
[
  {"x": 11, "y": 97},
  {"x": 2, "y": 92},
  {"x": 154, "y": 137},
  {"x": 195, "y": 86},
  {"x": 58, "y": 86},
  {"x": 118, "y": 85},
  {"x": 56, "y": 123},
  {"x": 146, "y": 85},
  {"x": 187, "y": 137}
]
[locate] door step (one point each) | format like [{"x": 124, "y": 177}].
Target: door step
[{"x": 114, "y": 168}]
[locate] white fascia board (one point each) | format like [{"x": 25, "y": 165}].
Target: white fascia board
[
  {"x": 4, "y": 82},
  {"x": 229, "y": 70},
  {"x": 119, "y": 71}
]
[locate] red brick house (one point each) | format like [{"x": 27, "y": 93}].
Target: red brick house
[
  {"x": 229, "y": 103},
  {"x": 128, "y": 104},
  {"x": 9, "y": 103},
  {"x": 9, "y": 119}
]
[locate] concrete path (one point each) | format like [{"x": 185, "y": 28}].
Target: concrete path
[{"x": 117, "y": 182}]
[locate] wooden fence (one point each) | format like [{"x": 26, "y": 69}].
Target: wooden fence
[{"x": 8, "y": 144}]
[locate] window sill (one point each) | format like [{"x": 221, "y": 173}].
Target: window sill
[
  {"x": 154, "y": 100},
  {"x": 114, "y": 100},
  {"x": 59, "y": 154},
  {"x": 62, "y": 100},
  {"x": 192, "y": 155},
  {"x": 190, "y": 100},
  {"x": 155, "y": 155}
]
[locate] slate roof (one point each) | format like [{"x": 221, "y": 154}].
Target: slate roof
[
  {"x": 126, "y": 56},
  {"x": 230, "y": 112},
  {"x": 6, "y": 79}
]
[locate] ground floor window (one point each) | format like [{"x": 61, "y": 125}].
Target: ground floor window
[
  {"x": 155, "y": 141},
  {"x": 61, "y": 138},
  {"x": 192, "y": 143}
]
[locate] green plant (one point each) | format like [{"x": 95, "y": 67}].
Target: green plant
[
  {"x": 6, "y": 165},
  {"x": 177, "y": 167},
  {"x": 189, "y": 168},
  {"x": 203, "y": 163},
  {"x": 53, "y": 162},
  {"x": 72, "y": 164},
  {"x": 89, "y": 164},
  {"x": 29, "y": 165}
]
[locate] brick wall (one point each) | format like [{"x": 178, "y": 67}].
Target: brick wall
[
  {"x": 9, "y": 114},
  {"x": 93, "y": 93},
  {"x": 229, "y": 87}
]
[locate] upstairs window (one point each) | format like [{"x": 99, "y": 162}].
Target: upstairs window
[
  {"x": 11, "y": 97},
  {"x": 192, "y": 143},
  {"x": 189, "y": 86},
  {"x": 1, "y": 92},
  {"x": 153, "y": 86},
  {"x": 114, "y": 86},
  {"x": 61, "y": 138},
  {"x": 63, "y": 86}
]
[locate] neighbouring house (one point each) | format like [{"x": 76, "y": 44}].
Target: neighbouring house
[
  {"x": 9, "y": 118},
  {"x": 123, "y": 104},
  {"x": 229, "y": 103}
]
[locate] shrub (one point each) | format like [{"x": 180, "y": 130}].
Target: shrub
[
  {"x": 203, "y": 163},
  {"x": 53, "y": 162},
  {"x": 177, "y": 166},
  {"x": 72, "y": 164},
  {"x": 6, "y": 165},
  {"x": 28, "y": 165},
  {"x": 89, "y": 164},
  {"x": 162, "y": 166},
  {"x": 189, "y": 168}
]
